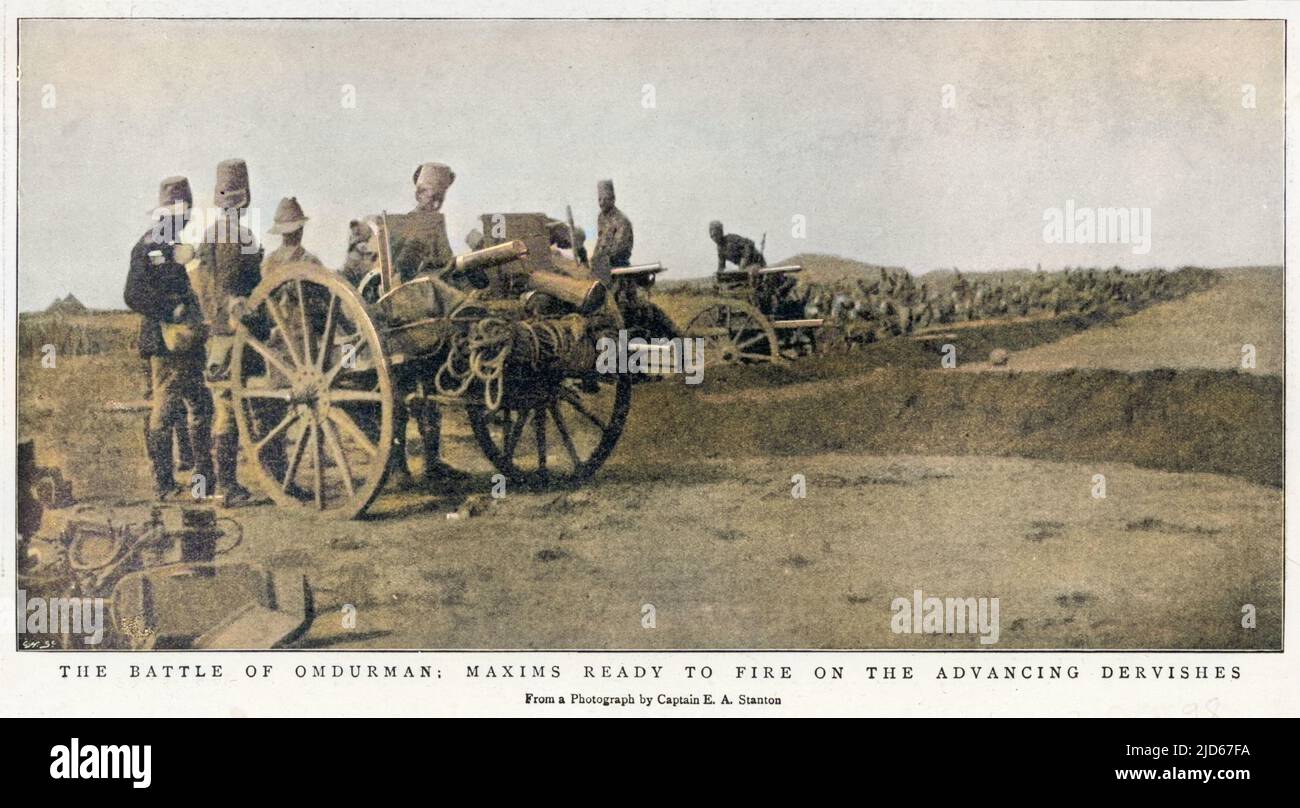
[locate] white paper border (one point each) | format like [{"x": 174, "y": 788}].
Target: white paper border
[{"x": 31, "y": 684}]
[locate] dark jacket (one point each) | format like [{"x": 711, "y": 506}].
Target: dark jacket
[
  {"x": 155, "y": 291},
  {"x": 740, "y": 251}
]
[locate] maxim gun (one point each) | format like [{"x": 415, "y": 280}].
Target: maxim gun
[
  {"x": 631, "y": 286},
  {"x": 754, "y": 317},
  {"x": 641, "y": 275},
  {"x": 587, "y": 297},
  {"x": 501, "y": 332},
  {"x": 640, "y": 270},
  {"x": 781, "y": 270},
  {"x": 487, "y": 257},
  {"x": 473, "y": 268}
]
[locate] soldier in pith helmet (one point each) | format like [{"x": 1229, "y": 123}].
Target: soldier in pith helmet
[
  {"x": 171, "y": 338},
  {"x": 174, "y": 203}
]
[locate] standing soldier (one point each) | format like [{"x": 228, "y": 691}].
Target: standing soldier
[
  {"x": 179, "y": 428},
  {"x": 172, "y": 190},
  {"x": 171, "y": 336},
  {"x": 228, "y": 269},
  {"x": 289, "y": 221},
  {"x": 613, "y": 235},
  {"x": 410, "y": 256},
  {"x": 432, "y": 180}
]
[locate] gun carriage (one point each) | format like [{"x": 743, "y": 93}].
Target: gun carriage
[
  {"x": 754, "y": 317},
  {"x": 320, "y": 366}
]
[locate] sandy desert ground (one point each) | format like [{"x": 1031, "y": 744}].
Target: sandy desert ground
[{"x": 957, "y": 484}]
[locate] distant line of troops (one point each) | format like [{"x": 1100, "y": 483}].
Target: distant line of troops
[
  {"x": 191, "y": 290},
  {"x": 895, "y": 304}
]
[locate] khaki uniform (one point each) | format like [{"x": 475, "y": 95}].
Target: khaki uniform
[
  {"x": 177, "y": 381},
  {"x": 428, "y": 248},
  {"x": 226, "y": 271},
  {"x": 285, "y": 255},
  {"x": 317, "y": 298},
  {"x": 273, "y": 455},
  {"x": 424, "y": 248},
  {"x": 613, "y": 243}
]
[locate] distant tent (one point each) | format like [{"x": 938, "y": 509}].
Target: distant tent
[{"x": 67, "y": 305}]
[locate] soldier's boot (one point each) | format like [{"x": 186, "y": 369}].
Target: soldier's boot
[
  {"x": 176, "y": 421},
  {"x": 202, "y": 479},
  {"x": 184, "y": 449},
  {"x": 228, "y": 487},
  {"x": 399, "y": 475},
  {"x": 431, "y": 438},
  {"x": 398, "y": 472},
  {"x": 159, "y": 445}
]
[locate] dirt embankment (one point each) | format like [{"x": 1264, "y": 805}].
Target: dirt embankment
[
  {"x": 1177, "y": 420},
  {"x": 1201, "y": 414}
]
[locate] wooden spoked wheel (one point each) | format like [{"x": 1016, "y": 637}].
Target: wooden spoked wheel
[
  {"x": 555, "y": 428},
  {"x": 734, "y": 333},
  {"x": 556, "y": 431},
  {"x": 313, "y": 392}
]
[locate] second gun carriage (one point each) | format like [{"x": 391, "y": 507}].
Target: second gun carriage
[{"x": 752, "y": 317}]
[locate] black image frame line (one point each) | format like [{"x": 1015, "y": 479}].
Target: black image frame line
[{"x": 1117, "y": 20}]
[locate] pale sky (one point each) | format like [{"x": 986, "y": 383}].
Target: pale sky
[{"x": 752, "y": 122}]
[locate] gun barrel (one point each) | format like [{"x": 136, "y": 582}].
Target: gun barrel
[
  {"x": 586, "y": 296},
  {"x": 493, "y": 256},
  {"x": 639, "y": 269},
  {"x": 742, "y": 273}
]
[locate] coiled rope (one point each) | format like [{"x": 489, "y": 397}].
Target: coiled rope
[{"x": 481, "y": 353}]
